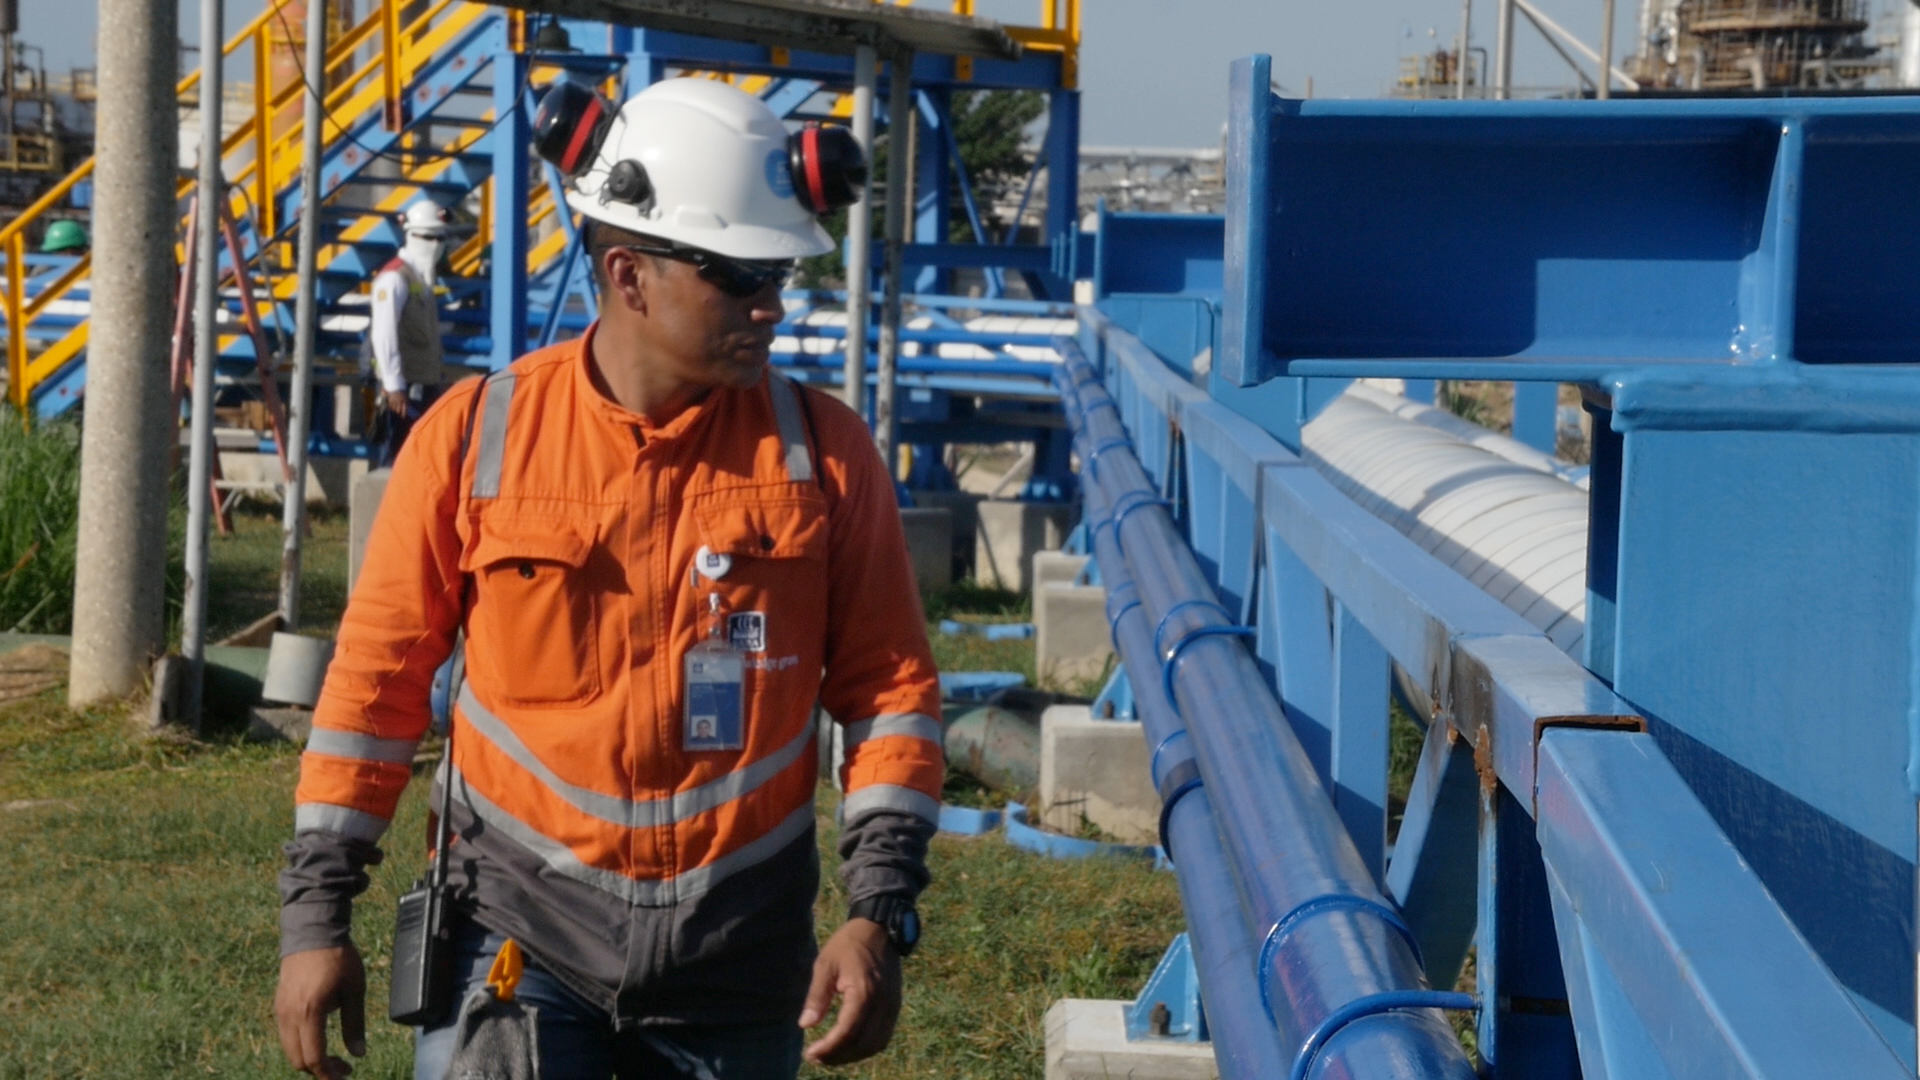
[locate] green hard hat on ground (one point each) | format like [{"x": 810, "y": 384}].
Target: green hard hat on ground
[{"x": 64, "y": 236}]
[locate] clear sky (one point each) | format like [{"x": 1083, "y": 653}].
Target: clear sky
[{"x": 1154, "y": 72}]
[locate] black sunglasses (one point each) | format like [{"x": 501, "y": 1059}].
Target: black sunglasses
[{"x": 738, "y": 278}]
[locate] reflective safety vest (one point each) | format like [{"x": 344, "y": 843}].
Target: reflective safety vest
[{"x": 575, "y": 524}]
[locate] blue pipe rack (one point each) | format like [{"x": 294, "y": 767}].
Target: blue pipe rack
[{"x": 1690, "y": 850}]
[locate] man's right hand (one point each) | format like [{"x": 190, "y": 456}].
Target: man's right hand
[
  {"x": 313, "y": 984},
  {"x": 397, "y": 402}
]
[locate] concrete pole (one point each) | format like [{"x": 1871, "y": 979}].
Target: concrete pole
[
  {"x": 860, "y": 235},
  {"x": 1605, "y": 88},
  {"x": 1466, "y": 42},
  {"x": 206, "y": 345},
  {"x": 119, "y": 587},
  {"x": 1503, "y": 53},
  {"x": 900, "y": 163},
  {"x": 300, "y": 401}
]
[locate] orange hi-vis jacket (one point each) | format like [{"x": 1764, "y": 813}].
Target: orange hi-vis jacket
[{"x": 662, "y": 881}]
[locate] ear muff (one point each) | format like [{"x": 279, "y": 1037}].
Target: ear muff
[
  {"x": 828, "y": 167},
  {"x": 570, "y": 125}
]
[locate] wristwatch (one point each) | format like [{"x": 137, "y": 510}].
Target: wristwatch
[{"x": 896, "y": 915}]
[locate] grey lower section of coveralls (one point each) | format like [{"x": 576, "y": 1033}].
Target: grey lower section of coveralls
[{"x": 739, "y": 953}]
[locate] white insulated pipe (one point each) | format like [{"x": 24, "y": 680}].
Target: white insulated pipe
[
  {"x": 1910, "y": 46},
  {"x": 1517, "y": 532}
]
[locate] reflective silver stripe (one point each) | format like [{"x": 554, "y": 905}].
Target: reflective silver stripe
[
  {"x": 893, "y": 797},
  {"x": 633, "y": 813},
  {"x": 653, "y": 893},
  {"x": 917, "y": 725},
  {"x": 345, "y": 820},
  {"x": 492, "y": 447},
  {"x": 362, "y": 747},
  {"x": 793, "y": 433}
]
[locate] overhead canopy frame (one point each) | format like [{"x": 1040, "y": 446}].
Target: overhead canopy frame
[{"x": 830, "y": 26}]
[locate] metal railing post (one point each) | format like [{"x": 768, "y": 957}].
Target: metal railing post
[
  {"x": 300, "y": 399},
  {"x": 193, "y": 637},
  {"x": 1503, "y": 53}
]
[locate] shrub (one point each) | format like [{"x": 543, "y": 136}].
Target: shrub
[{"x": 39, "y": 523}]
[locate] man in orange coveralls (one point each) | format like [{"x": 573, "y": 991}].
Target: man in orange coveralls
[{"x": 655, "y": 546}]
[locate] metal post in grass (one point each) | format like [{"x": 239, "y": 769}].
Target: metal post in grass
[
  {"x": 899, "y": 168},
  {"x": 300, "y": 401},
  {"x": 193, "y": 630},
  {"x": 860, "y": 235},
  {"x": 119, "y": 600}
]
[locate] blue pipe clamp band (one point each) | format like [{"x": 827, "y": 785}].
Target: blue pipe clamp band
[
  {"x": 1160, "y": 630},
  {"x": 1180, "y": 645},
  {"x": 1118, "y": 442},
  {"x": 1153, "y": 763},
  {"x": 1128, "y": 504},
  {"x": 1184, "y": 778},
  {"x": 1291, "y": 921},
  {"x": 1373, "y": 1005}
]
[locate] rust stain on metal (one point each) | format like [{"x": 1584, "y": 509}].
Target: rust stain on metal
[{"x": 1483, "y": 758}]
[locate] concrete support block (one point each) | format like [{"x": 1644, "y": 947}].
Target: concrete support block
[
  {"x": 965, "y": 508},
  {"x": 367, "y": 494},
  {"x": 1011, "y": 533},
  {"x": 930, "y": 544},
  {"x": 1055, "y": 568},
  {"x": 1072, "y": 639},
  {"x": 1087, "y": 1040},
  {"x": 1097, "y": 771},
  {"x": 329, "y": 480}
]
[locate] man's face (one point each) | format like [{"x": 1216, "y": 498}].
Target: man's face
[{"x": 704, "y": 335}]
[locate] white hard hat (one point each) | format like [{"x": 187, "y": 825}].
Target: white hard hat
[
  {"x": 696, "y": 162},
  {"x": 426, "y": 218}
]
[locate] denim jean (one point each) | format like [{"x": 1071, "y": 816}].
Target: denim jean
[{"x": 578, "y": 1041}]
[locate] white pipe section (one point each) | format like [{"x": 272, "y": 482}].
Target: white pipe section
[
  {"x": 1541, "y": 20},
  {"x": 1471, "y": 433},
  {"x": 1515, "y": 531},
  {"x": 1910, "y": 46}
]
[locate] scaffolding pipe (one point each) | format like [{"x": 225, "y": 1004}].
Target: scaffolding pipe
[
  {"x": 1605, "y": 89},
  {"x": 899, "y": 167},
  {"x": 206, "y": 348},
  {"x": 1225, "y": 953},
  {"x": 860, "y": 230},
  {"x": 1503, "y": 53},
  {"x": 1551, "y": 30},
  {"x": 300, "y": 397},
  {"x": 1466, "y": 42},
  {"x": 1329, "y": 938}
]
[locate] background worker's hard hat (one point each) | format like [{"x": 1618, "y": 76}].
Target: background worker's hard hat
[
  {"x": 426, "y": 218},
  {"x": 64, "y": 236},
  {"x": 693, "y": 161}
]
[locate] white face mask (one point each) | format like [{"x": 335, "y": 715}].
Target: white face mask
[{"x": 423, "y": 253}]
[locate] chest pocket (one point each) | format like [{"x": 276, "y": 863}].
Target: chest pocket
[
  {"x": 777, "y": 555},
  {"x": 531, "y": 626}
]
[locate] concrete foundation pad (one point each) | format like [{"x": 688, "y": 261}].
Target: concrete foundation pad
[
  {"x": 1056, "y": 568},
  {"x": 1087, "y": 1040},
  {"x": 963, "y": 505},
  {"x": 1072, "y": 639},
  {"x": 367, "y": 494},
  {"x": 1098, "y": 771},
  {"x": 1011, "y": 533},
  {"x": 930, "y": 545}
]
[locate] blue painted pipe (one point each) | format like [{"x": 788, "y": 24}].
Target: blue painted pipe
[
  {"x": 1245, "y": 1045},
  {"x": 1033, "y": 369},
  {"x": 985, "y": 338},
  {"x": 1041, "y": 308},
  {"x": 1328, "y": 936}
]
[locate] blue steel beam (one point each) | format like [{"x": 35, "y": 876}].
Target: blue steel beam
[
  {"x": 511, "y": 164},
  {"x": 1720, "y": 982}
]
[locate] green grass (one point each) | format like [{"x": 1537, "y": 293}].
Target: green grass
[
  {"x": 245, "y": 571},
  {"x": 39, "y": 523}
]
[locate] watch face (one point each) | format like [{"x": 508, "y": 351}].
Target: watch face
[{"x": 909, "y": 925}]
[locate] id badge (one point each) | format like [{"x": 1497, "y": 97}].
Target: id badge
[{"x": 716, "y": 690}]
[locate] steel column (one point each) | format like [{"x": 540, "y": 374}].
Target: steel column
[
  {"x": 193, "y": 631},
  {"x": 508, "y": 300},
  {"x": 306, "y": 319},
  {"x": 860, "y": 233},
  {"x": 899, "y": 164}
]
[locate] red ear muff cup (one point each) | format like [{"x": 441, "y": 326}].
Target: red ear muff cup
[
  {"x": 828, "y": 168},
  {"x": 567, "y": 129}
]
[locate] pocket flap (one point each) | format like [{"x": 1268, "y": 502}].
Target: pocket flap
[
  {"x": 781, "y": 529},
  {"x": 545, "y": 539}
]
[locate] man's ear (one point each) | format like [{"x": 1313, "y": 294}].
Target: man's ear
[{"x": 629, "y": 278}]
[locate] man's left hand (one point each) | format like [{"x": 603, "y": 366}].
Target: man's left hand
[{"x": 857, "y": 965}]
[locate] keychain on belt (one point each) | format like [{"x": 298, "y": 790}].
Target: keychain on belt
[{"x": 715, "y": 712}]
